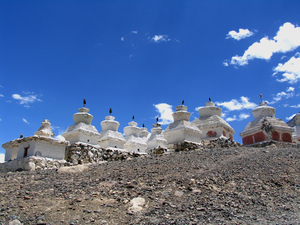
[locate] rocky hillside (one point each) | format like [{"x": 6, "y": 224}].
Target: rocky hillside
[{"x": 234, "y": 185}]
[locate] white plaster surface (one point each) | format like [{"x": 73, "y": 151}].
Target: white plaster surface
[
  {"x": 210, "y": 120},
  {"x": 82, "y": 130},
  {"x": 157, "y": 138},
  {"x": 45, "y": 129},
  {"x": 134, "y": 143},
  {"x": 182, "y": 129},
  {"x": 109, "y": 136},
  {"x": 265, "y": 114}
]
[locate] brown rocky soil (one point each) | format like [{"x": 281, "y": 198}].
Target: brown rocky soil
[{"x": 235, "y": 185}]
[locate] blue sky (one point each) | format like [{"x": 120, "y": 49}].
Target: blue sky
[{"x": 143, "y": 58}]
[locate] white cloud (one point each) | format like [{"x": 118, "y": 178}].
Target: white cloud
[
  {"x": 2, "y": 157},
  {"x": 287, "y": 39},
  {"x": 1, "y": 95},
  {"x": 229, "y": 119},
  {"x": 290, "y": 70},
  {"x": 30, "y": 98},
  {"x": 291, "y": 117},
  {"x": 166, "y": 112},
  {"x": 242, "y": 116},
  {"x": 134, "y": 32},
  {"x": 160, "y": 38},
  {"x": 243, "y": 33},
  {"x": 237, "y": 105},
  {"x": 1, "y": 86},
  {"x": 295, "y": 106},
  {"x": 122, "y": 38},
  {"x": 25, "y": 121},
  {"x": 225, "y": 63},
  {"x": 288, "y": 94}
]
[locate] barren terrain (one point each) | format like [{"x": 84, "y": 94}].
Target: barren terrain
[{"x": 235, "y": 185}]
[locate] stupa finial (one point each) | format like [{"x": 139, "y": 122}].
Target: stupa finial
[
  {"x": 182, "y": 102},
  {"x": 110, "y": 111},
  {"x": 84, "y": 102}
]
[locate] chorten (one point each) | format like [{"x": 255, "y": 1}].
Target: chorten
[
  {"x": 144, "y": 133},
  {"x": 295, "y": 124},
  {"x": 41, "y": 144},
  {"x": 211, "y": 124},
  {"x": 82, "y": 130},
  {"x": 266, "y": 127},
  {"x": 134, "y": 143},
  {"x": 109, "y": 136},
  {"x": 157, "y": 138},
  {"x": 182, "y": 129}
]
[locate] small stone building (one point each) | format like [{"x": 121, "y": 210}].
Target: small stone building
[
  {"x": 182, "y": 130},
  {"x": 211, "y": 124},
  {"x": 82, "y": 130},
  {"x": 266, "y": 127},
  {"x": 41, "y": 144},
  {"x": 295, "y": 124}
]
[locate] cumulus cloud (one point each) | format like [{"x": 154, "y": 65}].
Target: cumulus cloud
[
  {"x": 229, "y": 119},
  {"x": 165, "y": 111},
  {"x": 25, "y": 121},
  {"x": 290, "y": 117},
  {"x": 243, "y": 33},
  {"x": 242, "y": 116},
  {"x": 287, "y": 39},
  {"x": 295, "y": 106},
  {"x": 25, "y": 100},
  {"x": 160, "y": 38},
  {"x": 237, "y": 104},
  {"x": 290, "y": 70},
  {"x": 2, "y": 157},
  {"x": 290, "y": 92}
]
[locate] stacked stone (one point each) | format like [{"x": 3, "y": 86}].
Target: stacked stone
[
  {"x": 32, "y": 163},
  {"x": 182, "y": 130},
  {"x": 82, "y": 153}
]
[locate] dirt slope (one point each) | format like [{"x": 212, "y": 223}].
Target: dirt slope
[{"x": 216, "y": 186}]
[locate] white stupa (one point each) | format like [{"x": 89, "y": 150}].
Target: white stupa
[
  {"x": 144, "y": 134},
  {"x": 82, "y": 130},
  {"x": 211, "y": 124},
  {"x": 134, "y": 143},
  {"x": 109, "y": 136},
  {"x": 266, "y": 127},
  {"x": 41, "y": 144},
  {"x": 157, "y": 138},
  {"x": 295, "y": 124},
  {"x": 182, "y": 129}
]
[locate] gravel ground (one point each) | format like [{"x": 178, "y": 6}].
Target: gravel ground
[{"x": 235, "y": 185}]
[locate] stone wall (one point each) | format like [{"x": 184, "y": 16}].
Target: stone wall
[
  {"x": 81, "y": 153},
  {"x": 32, "y": 163}
]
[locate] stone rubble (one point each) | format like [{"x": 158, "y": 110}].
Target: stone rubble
[{"x": 221, "y": 185}]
